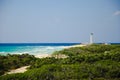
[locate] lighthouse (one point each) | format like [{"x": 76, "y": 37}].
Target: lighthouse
[{"x": 91, "y": 38}]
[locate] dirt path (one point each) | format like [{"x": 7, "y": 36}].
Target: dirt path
[{"x": 18, "y": 70}]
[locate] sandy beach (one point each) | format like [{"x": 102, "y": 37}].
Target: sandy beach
[
  {"x": 79, "y": 45},
  {"x": 58, "y": 56}
]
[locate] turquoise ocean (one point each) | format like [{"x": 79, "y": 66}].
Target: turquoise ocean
[{"x": 32, "y": 48}]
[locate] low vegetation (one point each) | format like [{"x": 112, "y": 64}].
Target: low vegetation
[
  {"x": 92, "y": 62},
  {"x": 9, "y": 61}
]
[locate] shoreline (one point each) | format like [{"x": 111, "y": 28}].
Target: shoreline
[
  {"x": 79, "y": 45},
  {"x": 44, "y": 55}
]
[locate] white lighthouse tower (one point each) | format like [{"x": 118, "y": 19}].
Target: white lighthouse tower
[{"x": 91, "y": 38}]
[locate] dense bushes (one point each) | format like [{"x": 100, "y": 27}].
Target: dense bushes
[
  {"x": 82, "y": 71},
  {"x": 91, "y": 49},
  {"x": 92, "y": 62},
  {"x": 44, "y": 61},
  {"x": 14, "y": 61}
]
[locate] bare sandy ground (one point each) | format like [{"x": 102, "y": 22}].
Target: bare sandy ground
[
  {"x": 42, "y": 55},
  {"x": 18, "y": 70}
]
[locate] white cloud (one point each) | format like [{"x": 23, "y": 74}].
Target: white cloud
[{"x": 117, "y": 13}]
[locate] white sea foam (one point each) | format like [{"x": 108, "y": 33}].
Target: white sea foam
[{"x": 34, "y": 50}]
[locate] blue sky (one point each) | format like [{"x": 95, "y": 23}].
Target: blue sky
[{"x": 59, "y": 21}]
